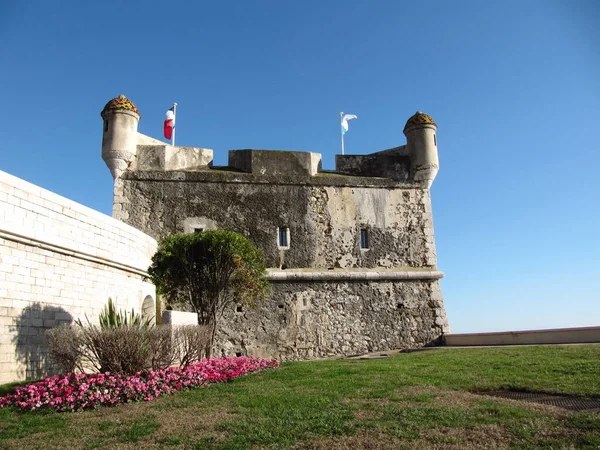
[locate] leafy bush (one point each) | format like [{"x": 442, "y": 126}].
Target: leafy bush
[
  {"x": 126, "y": 349},
  {"x": 74, "y": 392},
  {"x": 208, "y": 271}
]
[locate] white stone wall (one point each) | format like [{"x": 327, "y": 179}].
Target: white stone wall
[
  {"x": 59, "y": 261},
  {"x": 176, "y": 318}
]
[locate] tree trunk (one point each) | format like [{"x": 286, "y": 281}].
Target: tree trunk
[{"x": 213, "y": 331}]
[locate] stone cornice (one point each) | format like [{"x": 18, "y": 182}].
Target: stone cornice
[
  {"x": 219, "y": 175},
  {"x": 15, "y": 237},
  {"x": 275, "y": 275}
]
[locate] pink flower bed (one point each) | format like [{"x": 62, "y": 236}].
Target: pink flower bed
[{"x": 83, "y": 391}]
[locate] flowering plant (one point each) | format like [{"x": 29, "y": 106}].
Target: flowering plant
[{"x": 76, "y": 391}]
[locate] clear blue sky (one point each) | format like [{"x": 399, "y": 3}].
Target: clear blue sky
[{"x": 513, "y": 85}]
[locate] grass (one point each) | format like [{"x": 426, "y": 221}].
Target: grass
[
  {"x": 414, "y": 400},
  {"x": 9, "y": 388}
]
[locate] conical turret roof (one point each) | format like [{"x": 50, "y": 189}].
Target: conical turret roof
[
  {"x": 120, "y": 103},
  {"x": 419, "y": 118}
]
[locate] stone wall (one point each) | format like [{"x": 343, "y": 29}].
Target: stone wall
[
  {"x": 330, "y": 297},
  {"x": 393, "y": 164},
  {"x": 317, "y": 319},
  {"x": 60, "y": 261},
  {"x": 325, "y": 215}
]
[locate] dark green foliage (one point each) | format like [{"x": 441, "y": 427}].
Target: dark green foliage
[{"x": 207, "y": 271}]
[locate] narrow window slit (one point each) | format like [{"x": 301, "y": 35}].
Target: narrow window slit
[
  {"x": 364, "y": 239},
  {"x": 283, "y": 237}
]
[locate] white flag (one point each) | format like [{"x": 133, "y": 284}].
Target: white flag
[{"x": 345, "y": 120}]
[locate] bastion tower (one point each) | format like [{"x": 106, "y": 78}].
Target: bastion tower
[
  {"x": 421, "y": 143},
  {"x": 119, "y": 134},
  {"x": 351, "y": 252}
]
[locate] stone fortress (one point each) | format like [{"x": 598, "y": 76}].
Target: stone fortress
[{"x": 351, "y": 252}]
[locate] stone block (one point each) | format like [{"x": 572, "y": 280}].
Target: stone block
[
  {"x": 179, "y": 318},
  {"x": 49, "y": 323},
  {"x": 274, "y": 163},
  {"x": 18, "y": 304},
  {"x": 167, "y": 157},
  {"x": 14, "y": 278},
  {"x": 62, "y": 316}
]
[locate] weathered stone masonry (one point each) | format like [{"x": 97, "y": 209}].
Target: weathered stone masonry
[
  {"x": 329, "y": 296},
  {"x": 316, "y": 319},
  {"x": 324, "y": 214}
]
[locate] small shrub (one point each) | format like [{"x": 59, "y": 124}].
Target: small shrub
[
  {"x": 191, "y": 342},
  {"x": 163, "y": 347},
  {"x": 126, "y": 350},
  {"x": 123, "y": 350},
  {"x": 64, "y": 343}
]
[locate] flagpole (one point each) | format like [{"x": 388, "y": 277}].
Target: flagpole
[
  {"x": 174, "y": 123},
  {"x": 341, "y": 132}
]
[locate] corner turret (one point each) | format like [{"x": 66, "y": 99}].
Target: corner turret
[
  {"x": 421, "y": 142},
  {"x": 119, "y": 135}
]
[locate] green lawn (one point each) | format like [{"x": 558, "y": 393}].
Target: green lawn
[{"x": 415, "y": 400}]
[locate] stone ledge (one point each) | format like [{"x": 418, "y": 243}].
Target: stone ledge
[
  {"x": 32, "y": 242},
  {"x": 230, "y": 175},
  {"x": 276, "y": 163},
  {"x": 275, "y": 275}
]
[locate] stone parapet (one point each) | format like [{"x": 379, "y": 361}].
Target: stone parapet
[
  {"x": 275, "y": 163},
  {"x": 393, "y": 164},
  {"x": 169, "y": 158}
]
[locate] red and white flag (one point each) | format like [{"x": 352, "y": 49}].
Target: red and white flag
[{"x": 169, "y": 123}]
